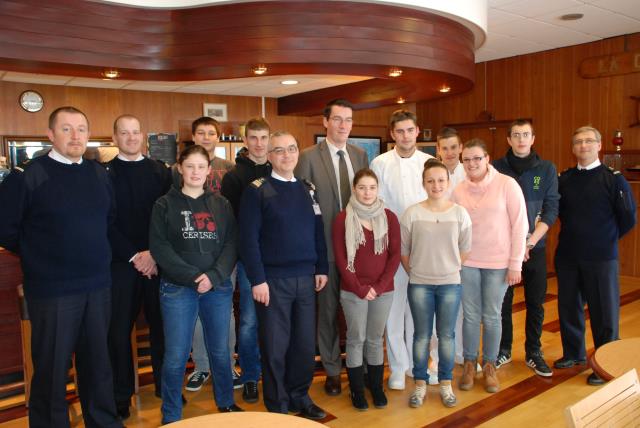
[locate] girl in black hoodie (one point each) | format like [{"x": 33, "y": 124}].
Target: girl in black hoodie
[{"x": 193, "y": 240}]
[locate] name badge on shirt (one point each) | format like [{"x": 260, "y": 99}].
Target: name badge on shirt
[{"x": 316, "y": 209}]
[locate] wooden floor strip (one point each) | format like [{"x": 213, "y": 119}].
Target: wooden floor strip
[
  {"x": 625, "y": 299},
  {"x": 508, "y": 398}
]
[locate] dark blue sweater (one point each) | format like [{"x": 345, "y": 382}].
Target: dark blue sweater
[
  {"x": 280, "y": 236},
  {"x": 596, "y": 209},
  {"x": 137, "y": 186},
  {"x": 539, "y": 185},
  {"x": 57, "y": 218}
]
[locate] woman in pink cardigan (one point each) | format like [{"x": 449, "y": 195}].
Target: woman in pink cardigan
[{"x": 499, "y": 230}]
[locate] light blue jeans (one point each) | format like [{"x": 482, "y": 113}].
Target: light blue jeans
[
  {"x": 482, "y": 295},
  {"x": 180, "y": 306},
  {"x": 425, "y": 301}
]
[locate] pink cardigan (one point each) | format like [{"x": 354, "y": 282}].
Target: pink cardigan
[{"x": 499, "y": 221}]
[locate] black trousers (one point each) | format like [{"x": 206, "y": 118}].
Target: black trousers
[
  {"x": 130, "y": 291},
  {"x": 59, "y": 327},
  {"x": 593, "y": 282},
  {"x": 286, "y": 329},
  {"x": 534, "y": 276}
]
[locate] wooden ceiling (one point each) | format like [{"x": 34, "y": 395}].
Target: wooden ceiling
[{"x": 83, "y": 38}]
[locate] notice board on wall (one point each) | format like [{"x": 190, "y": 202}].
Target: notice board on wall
[{"x": 163, "y": 146}]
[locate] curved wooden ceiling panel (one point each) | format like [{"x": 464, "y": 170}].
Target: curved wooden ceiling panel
[{"x": 83, "y": 38}]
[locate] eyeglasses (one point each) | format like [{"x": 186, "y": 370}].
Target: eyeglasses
[
  {"x": 340, "y": 120},
  {"x": 279, "y": 151},
  {"x": 586, "y": 141},
  {"x": 521, "y": 134},
  {"x": 474, "y": 159}
]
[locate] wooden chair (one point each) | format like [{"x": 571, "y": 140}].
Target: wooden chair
[{"x": 616, "y": 404}]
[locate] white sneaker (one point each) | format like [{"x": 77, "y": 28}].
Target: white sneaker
[
  {"x": 433, "y": 377},
  {"x": 417, "y": 397},
  {"x": 396, "y": 381},
  {"x": 447, "y": 396}
]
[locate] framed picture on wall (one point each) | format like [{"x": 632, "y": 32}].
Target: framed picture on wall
[
  {"x": 215, "y": 111},
  {"x": 424, "y": 146},
  {"x": 371, "y": 145}
]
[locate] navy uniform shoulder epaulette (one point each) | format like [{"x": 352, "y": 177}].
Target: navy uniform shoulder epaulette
[
  {"x": 309, "y": 184},
  {"x": 19, "y": 169},
  {"x": 613, "y": 171},
  {"x": 162, "y": 163},
  {"x": 258, "y": 182}
]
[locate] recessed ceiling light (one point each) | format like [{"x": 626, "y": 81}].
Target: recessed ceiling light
[
  {"x": 260, "y": 69},
  {"x": 111, "y": 74},
  {"x": 401, "y": 100},
  {"x": 572, "y": 16},
  {"x": 444, "y": 89},
  {"x": 289, "y": 82},
  {"x": 395, "y": 72}
]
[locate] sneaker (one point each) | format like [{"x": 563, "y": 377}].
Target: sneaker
[
  {"x": 491, "y": 383},
  {"x": 196, "y": 380},
  {"x": 433, "y": 377},
  {"x": 250, "y": 392},
  {"x": 504, "y": 357},
  {"x": 417, "y": 397},
  {"x": 468, "y": 375},
  {"x": 539, "y": 366},
  {"x": 447, "y": 396},
  {"x": 396, "y": 381},
  {"x": 237, "y": 383}
]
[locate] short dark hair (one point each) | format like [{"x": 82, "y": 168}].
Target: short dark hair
[
  {"x": 122, "y": 116},
  {"x": 400, "y": 115},
  {"x": 433, "y": 163},
  {"x": 447, "y": 132},
  {"x": 364, "y": 172},
  {"x": 64, "y": 109},
  {"x": 256, "y": 124},
  {"x": 193, "y": 150},
  {"x": 522, "y": 122},
  {"x": 205, "y": 120},
  {"x": 337, "y": 102},
  {"x": 476, "y": 142}
]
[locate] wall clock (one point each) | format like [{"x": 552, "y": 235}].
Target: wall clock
[{"x": 31, "y": 101}]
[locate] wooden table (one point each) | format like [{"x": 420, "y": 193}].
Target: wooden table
[
  {"x": 616, "y": 358},
  {"x": 247, "y": 420}
]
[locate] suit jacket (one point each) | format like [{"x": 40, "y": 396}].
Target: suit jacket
[{"x": 316, "y": 166}]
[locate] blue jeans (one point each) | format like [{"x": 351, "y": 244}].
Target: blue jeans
[
  {"x": 482, "y": 295},
  {"x": 425, "y": 301},
  {"x": 180, "y": 306},
  {"x": 248, "y": 349}
]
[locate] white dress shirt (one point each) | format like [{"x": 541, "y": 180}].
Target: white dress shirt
[
  {"x": 400, "y": 179},
  {"x": 122, "y": 158},
  {"x": 281, "y": 178},
  {"x": 594, "y": 164},
  {"x": 56, "y": 156}
]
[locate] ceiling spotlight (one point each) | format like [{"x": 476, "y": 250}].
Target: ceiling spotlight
[
  {"x": 395, "y": 72},
  {"x": 572, "y": 16},
  {"x": 401, "y": 100},
  {"x": 444, "y": 89},
  {"x": 289, "y": 82},
  {"x": 111, "y": 74},
  {"x": 260, "y": 69}
]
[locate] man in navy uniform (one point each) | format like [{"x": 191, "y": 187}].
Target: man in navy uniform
[
  {"x": 596, "y": 209},
  {"x": 56, "y": 215},
  {"x": 137, "y": 182},
  {"x": 283, "y": 249}
]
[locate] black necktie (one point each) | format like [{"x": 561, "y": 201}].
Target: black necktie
[{"x": 345, "y": 187}]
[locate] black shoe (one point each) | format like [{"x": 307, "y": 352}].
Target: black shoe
[
  {"x": 313, "y": 412},
  {"x": 332, "y": 385},
  {"x": 250, "y": 392},
  {"x": 566, "y": 363},
  {"x": 504, "y": 357},
  {"x": 376, "y": 374},
  {"x": 595, "y": 380},
  {"x": 539, "y": 366},
  {"x": 356, "y": 385},
  {"x": 229, "y": 409},
  {"x": 123, "y": 410}
]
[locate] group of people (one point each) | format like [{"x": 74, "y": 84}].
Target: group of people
[{"x": 418, "y": 251}]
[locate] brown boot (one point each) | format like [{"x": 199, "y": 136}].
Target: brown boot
[
  {"x": 468, "y": 375},
  {"x": 491, "y": 383}
]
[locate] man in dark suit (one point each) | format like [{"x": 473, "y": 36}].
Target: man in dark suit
[{"x": 330, "y": 166}]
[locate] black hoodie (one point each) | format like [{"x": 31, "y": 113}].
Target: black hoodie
[
  {"x": 237, "y": 179},
  {"x": 190, "y": 236}
]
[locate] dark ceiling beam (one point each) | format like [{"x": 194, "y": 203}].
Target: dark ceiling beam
[{"x": 82, "y": 38}]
